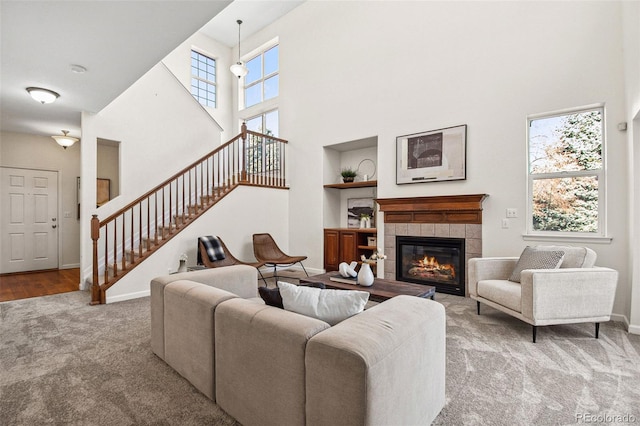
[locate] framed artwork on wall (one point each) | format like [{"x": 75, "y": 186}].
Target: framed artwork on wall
[
  {"x": 103, "y": 194},
  {"x": 433, "y": 156}
]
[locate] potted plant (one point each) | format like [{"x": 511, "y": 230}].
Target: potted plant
[
  {"x": 365, "y": 220},
  {"x": 348, "y": 174}
]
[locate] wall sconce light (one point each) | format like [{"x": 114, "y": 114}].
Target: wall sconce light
[
  {"x": 41, "y": 95},
  {"x": 239, "y": 69},
  {"x": 65, "y": 141}
]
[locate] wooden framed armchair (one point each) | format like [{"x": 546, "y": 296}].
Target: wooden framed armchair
[
  {"x": 266, "y": 250},
  {"x": 227, "y": 259}
]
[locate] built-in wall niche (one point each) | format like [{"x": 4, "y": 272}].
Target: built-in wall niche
[
  {"x": 360, "y": 155},
  {"x": 108, "y": 171}
]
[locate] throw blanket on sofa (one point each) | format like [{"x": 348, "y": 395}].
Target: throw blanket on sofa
[{"x": 213, "y": 247}]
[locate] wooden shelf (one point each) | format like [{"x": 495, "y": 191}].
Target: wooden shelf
[{"x": 361, "y": 184}]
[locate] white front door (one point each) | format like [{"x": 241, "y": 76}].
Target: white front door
[{"x": 28, "y": 220}]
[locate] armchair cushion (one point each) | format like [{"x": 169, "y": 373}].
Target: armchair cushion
[
  {"x": 574, "y": 257},
  {"x": 532, "y": 258},
  {"x": 502, "y": 292}
]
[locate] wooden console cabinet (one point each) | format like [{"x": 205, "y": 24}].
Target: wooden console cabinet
[{"x": 346, "y": 245}]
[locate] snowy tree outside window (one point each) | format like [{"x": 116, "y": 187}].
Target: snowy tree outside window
[{"x": 566, "y": 172}]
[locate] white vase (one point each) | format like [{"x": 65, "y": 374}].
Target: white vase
[
  {"x": 365, "y": 275},
  {"x": 183, "y": 266}
]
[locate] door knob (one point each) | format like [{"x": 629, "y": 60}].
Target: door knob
[
  {"x": 54, "y": 226},
  {"x": 54, "y": 219}
]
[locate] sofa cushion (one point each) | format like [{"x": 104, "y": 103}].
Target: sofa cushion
[
  {"x": 532, "y": 258},
  {"x": 574, "y": 257},
  {"x": 503, "y": 292},
  {"x": 259, "y": 360},
  {"x": 331, "y": 306}
]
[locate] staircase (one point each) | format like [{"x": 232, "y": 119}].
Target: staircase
[{"x": 132, "y": 234}]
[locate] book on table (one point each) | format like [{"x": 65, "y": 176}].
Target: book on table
[{"x": 345, "y": 280}]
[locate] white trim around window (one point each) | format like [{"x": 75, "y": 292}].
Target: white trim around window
[{"x": 555, "y": 172}]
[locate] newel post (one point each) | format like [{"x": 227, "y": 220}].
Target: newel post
[
  {"x": 95, "y": 285},
  {"x": 243, "y": 153}
]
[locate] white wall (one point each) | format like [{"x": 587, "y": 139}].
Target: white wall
[
  {"x": 245, "y": 211},
  {"x": 161, "y": 130},
  {"x": 179, "y": 62},
  {"x": 350, "y": 70},
  {"x": 17, "y": 150},
  {"x": 631, "y": 26}
]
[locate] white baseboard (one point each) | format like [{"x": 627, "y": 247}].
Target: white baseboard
[
  {"x": 70, "y": 266},
  {"x": 128, "y": 296},
  {"x": 296, "y": 267},
  {"x": 620, "y": 318},
  {"x": 634, "y": 329}
]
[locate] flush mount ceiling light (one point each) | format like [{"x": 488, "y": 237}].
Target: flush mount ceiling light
[
  {"x": 41, "y": 95},
  {"x": 239, "y": 69},
  {"x": 78, "y": 69},
  {"x": 65, "y": 141}
]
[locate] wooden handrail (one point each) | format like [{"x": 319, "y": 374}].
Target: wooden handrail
[{"x": 130, "y": 235}]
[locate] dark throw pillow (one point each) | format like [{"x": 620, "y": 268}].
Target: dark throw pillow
[{"x": 271, "y": 296}]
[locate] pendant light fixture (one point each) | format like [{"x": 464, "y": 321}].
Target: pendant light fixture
[
  {"x": 239, "y": 69},
  {"x": 65, "y": 141},
  {"x": 44, "y": 96}
]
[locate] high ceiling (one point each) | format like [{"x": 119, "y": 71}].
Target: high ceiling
[{"x": 116, "y": 41}]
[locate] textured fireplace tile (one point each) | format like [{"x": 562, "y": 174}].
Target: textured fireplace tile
[
  {"x": 389, "y": 276},
  {"x": 390, "y": 269},
  {"x": 391, "y": 254},
  {"x": 442, "y": 230},
  {"x": 474, "y": 230},
  {"x": 389, "y": 242},
  {"x": 402, "y": 229},
  {"x": 389, "y": 229},
  {"x": 474, "y": 246},
  {"x": 457, "y": 230},
  {"x": 427, "y": 230},
  {"x": 414, "y": 229}
]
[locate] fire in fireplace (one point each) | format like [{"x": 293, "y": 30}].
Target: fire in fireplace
[{"x": 432, "y": 261}]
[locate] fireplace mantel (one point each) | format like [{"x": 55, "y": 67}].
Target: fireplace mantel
[{"x": 440, "y": 209}]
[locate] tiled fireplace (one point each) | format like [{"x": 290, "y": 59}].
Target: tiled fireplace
[{"x": 444, "y": 218}]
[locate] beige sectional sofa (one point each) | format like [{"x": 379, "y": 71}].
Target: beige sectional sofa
[{"x": 268, "y": 366}]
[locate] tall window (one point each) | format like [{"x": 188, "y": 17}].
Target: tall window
[
  {"x": 263, "y": 155},
  {"x": 566, "y": 173},
  {"x": 262, "y": 82},
  {"x": 266, "y": 123},
  {"x": 203, "y": 79}
]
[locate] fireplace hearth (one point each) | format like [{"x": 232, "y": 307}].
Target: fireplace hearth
[{"x": 432, "y": 261}]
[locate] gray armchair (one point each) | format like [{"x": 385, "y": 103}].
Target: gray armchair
[{"x": 576, "y": 292}]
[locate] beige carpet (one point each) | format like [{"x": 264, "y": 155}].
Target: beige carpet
[{"x": 64, "y": 362}]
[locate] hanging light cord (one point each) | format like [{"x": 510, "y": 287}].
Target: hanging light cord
[{"x": 239, "y": 23}]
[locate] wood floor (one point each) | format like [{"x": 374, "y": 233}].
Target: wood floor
[{"x": 39, "y": 283}]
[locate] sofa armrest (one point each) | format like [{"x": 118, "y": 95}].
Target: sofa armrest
[
  {"x": 241, "y": 280},
  {"x": 553, "y": 296},
  {"x": 189, "y": 309},
  {"x": 489, "y": 268},
  {"x": 383, "y": 366}
]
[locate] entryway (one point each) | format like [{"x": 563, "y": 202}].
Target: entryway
[
  {"x": 23, "y": 285},
  {"x": 28, "y": 220}
]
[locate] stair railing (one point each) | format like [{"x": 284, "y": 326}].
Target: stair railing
[{"x": 130, "y": 235}]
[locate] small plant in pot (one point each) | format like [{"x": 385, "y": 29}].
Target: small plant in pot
[{"x": 348, "y": 174}]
